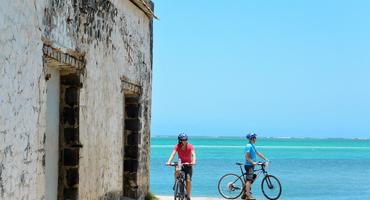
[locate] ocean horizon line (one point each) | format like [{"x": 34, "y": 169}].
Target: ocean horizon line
[
  {"x": 262, "y": 137},
  {"x": 266, "y": 147}
]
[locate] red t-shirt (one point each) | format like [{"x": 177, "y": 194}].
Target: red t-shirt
[{"x": 185, "y": 155}]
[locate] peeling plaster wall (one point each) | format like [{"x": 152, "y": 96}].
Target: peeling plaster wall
[
  {"x": 22, "y": 94},
  {"x": 115, "y": 39}
]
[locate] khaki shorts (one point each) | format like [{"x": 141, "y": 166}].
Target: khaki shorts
[{"x": 249, "y": 171}]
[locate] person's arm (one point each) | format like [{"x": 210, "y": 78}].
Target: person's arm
[
  {"x": 193, "y": 157},
  {"x": 261, "y": 156},
  {"x": 248, "y": 158},
  {"x": 171, "y": 157}
]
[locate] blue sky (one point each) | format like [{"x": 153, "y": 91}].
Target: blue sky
[{"x": 278, "y": 68}]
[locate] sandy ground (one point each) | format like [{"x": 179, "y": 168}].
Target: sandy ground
[{"x": 192, "y": 198}]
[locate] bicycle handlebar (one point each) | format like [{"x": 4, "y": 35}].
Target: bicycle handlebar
[
  {"x": 176, "y": 163},
  {"x": 258, "y": 163},
  {"x": 264, "y": 163}
]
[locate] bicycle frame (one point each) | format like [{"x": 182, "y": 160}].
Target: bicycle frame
[
  {"x": 231, "y": 185},
  {"x": 180, "y": 179},
  {"x": 259, "y": 171}
]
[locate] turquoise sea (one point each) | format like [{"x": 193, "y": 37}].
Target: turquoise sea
[{"x": 307, "y": 168}]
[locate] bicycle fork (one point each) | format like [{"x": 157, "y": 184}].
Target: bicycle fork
[{"x": 268, "y": 181}]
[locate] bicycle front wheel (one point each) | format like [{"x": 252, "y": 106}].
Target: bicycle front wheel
[
  {"x": 176, "y": 189},
  {"x": 179, "y": 191},
  {"x": 271, "y": 187},
  {"x": 230, "y": 186}
]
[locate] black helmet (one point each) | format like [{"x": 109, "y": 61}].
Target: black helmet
[{"x": 182, "y": 136}]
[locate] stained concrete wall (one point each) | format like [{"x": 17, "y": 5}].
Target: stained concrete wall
[
  {"x": 22, "y": 100},
  {"x": 114, "y": 38}
]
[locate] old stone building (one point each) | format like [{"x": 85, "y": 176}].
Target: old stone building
[{"x": 75, "y": 98}]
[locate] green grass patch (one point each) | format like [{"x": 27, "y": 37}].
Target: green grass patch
[{"x": 151, "y": 196}]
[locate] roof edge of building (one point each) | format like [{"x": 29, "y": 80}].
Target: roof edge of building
[{"x": 147, "y": 6}]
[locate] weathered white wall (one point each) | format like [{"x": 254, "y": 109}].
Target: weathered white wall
[
  {"x": 22, "y": 95},
  {"x": 115, "y": 44},
  {"x": 101, "y": 94}
]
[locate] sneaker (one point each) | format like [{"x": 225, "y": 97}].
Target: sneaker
[
  {"x": 251, "y": 198},
  {"x": 243, "y": 196}
]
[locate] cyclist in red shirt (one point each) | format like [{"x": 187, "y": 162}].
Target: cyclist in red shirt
[{"x": 186, "y": 153}]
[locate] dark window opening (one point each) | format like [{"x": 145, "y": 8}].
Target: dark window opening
[{"x": 132, "y": 138}]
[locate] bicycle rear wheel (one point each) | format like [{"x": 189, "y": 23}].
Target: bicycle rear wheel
[
  {"x": 230, "y": 186},
  {"x": 271, "y": 187}
]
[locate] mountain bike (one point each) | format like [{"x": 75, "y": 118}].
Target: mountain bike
[
  {"x": 179, "y": 187},
  {"x": 231, "y": 186}
]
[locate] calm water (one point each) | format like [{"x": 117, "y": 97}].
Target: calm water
[{"x": 307, "y": 168}]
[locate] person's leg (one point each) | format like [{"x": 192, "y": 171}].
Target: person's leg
[
  {"x": 247, "y": 189},
  {"x": 176, "y": 174},
  {"x": 188, "y": 187},
  {"x": 188, "y": 175},
  {"x": 248, "y": 184}
]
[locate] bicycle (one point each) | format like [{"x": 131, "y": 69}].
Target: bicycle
[
  {"x": 231, "y": 186},
  {"x": 180, "y": 182}
]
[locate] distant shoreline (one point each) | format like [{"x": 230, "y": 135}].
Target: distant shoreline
[{"x": 282, "y": 138}]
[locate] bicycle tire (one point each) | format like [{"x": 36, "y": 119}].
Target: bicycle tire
[
  {"x": 268, "y": 180},
  {"x": 178, "y": 194},
  {"x": 232, "y": 183},
  {"x": 182, "y": 190}
]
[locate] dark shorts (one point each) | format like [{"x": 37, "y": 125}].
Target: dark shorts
[
  {"x": 188, "y": 171},
  {"x": 249, "y": 171}
]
